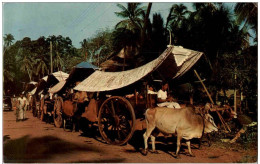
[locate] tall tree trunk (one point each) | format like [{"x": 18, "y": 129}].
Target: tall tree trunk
[{"x": 143, "y": 33}]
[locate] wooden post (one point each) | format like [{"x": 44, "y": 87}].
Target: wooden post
[
  {"x": 51, "y": 56},
  {"x": 170, "y": 37},
  {"x": 220, "y": 117}
]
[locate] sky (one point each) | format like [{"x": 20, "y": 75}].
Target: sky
[{"x": 77, "y": 21}]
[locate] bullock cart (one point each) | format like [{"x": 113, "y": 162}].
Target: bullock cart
[
  {"x": 35, "y": 99},
  {"x": 116, "y": 110},
  {"x": 42, "y": 100},
  {"x": 64, "y": 107},
  {"x": 47, "y": 101}
]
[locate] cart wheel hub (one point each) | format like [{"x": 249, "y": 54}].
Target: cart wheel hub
[{"x": 116, "y": 120}]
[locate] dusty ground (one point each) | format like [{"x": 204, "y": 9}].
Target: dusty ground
[{"x": 36, "y": 141}]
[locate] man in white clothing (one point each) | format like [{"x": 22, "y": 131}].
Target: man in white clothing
[
  {"x": 164, "y": 100},
  {"x": 22, "y": 107}
]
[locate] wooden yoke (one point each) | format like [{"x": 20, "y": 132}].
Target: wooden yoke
[{"x": 220, "y": 117}]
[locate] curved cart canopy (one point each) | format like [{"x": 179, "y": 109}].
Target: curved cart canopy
[
  {"x": 30, "y": 86},
  {"x": 172, "y": 63},
  {"x": 57, "y": 77},
  {"x": 41, "y": 85},
  {"x": 57, "y": 87},
  {"x": 32, "y": 92},
  {"x": 78, "y": 73},
  {"x": 50, "y": 80}
]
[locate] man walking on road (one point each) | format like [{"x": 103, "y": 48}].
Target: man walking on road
[{"x": 22, "y": 107}]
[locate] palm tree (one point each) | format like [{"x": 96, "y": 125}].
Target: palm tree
[
  {"x": 132, "y": 16},
  {"x": 84, "y": 47},
  {"x": 27, "y": 66},
  {"x": 8, "y": 67},
  {"x": 175, "y": 21},
  {"x": 247, "y": 13},
  {"x": 58, "y": 61},
  {"x": 41, "y": 68},
  {"x": 8, "y": 40},
  {"x": 176, "y": 15}
]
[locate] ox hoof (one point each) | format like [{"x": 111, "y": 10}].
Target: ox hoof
[
  {"x": 155, "y": 152},
  {"x": 176, "y": 156},
  {"x": 144, "y": 152},
  {"x": 191, "y": 155}
]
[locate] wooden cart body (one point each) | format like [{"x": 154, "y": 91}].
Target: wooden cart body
[{"x": 117, "y": 114}]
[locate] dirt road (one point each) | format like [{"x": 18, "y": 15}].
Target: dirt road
[{"x": 35, "y": 141}]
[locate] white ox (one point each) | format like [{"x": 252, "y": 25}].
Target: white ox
[{"x": 184, "y": 122}]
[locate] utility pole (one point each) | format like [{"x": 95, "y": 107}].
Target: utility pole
[{"x": 51, "y": 56}]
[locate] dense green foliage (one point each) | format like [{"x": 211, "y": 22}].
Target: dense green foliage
[{"x": 211, "y": 28}]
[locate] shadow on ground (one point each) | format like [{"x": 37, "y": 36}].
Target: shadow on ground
[
  {"x": 115, "y": 160},
  {"x": 26, "y": 149}
]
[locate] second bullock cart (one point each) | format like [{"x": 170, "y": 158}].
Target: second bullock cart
[{"x": 64, "y": 105}]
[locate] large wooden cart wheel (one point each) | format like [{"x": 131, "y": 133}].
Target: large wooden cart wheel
[
  {"x": 57, "y": 115},
  {"x": 116, "y": 120}
]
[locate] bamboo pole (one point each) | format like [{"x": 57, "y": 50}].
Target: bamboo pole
[
  {"x": 220, "y": 117},
  {"x": 204, "y": 87}
]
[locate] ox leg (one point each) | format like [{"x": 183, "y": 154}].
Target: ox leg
[
  {"x": 189, "y": 148},
  {"x": 208, "y": 137},
  {"x": 153, "y": 145},
  {"x": 200, "y": 142},
  {"x": 154, "y": 134},
  {"x": 179, "y": 137},
  {"x": 146, "y": 136}
]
